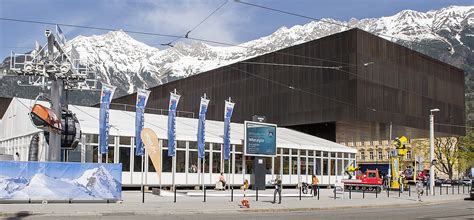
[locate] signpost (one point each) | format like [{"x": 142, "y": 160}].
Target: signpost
[{"x": 259, "y": 141}]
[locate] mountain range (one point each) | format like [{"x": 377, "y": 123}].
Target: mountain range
[{"x": 446, "y": 34}]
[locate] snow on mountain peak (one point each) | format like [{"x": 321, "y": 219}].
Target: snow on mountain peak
[{"x": 130, "y": 64}]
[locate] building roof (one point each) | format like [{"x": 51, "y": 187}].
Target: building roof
[{"x": 122, "y": 123}]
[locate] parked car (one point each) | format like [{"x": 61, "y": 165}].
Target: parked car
[
  {"x": 466, "y": 182},
  {"x": 439, "y": 182},
  {"x": 472, "y": 191}
]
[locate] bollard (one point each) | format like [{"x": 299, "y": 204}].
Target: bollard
[
  {"x": 174, "y": 194},
  {"x": 440, "y": 190},
  {"x": 409, "y": 190},
  {"x": 256, "y": 196},
  {"x": 300, "y": 193},
  {"x": 350, "y": 192},
  {"x": 143, "y": 194},
  {"x": 462, "y": 189},
  {"x": 447, "y": 190},
  {"x": 334, "y": 192},
  {"x": 376, "y": 192},
  {"x": 388, "y": 192},
  {"x": 452, "y": 189},
  {"x": 399, "y": 190},
  {"x": 318, "y": 192},
  {"x": 232, "y": 193},
  {"x": 363, "y": 193},
  {"x": 458, "y": 188},
  {"x": 204, "y": 194}
]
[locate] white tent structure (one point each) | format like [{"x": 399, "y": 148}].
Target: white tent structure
[{"x": 299, "y": 155}]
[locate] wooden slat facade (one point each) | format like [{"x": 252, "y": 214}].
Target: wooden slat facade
[{"x": 354, "y": 103}]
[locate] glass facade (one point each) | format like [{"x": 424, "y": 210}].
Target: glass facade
[{"x": 287, "y": 161}]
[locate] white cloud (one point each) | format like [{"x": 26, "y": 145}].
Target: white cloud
[{"x": 178, "y": 17}]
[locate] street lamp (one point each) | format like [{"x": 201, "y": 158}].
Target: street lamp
[{"x": 432, "y": 159}]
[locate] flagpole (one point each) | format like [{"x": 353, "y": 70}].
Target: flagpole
[{"x": 143, "y": 190}]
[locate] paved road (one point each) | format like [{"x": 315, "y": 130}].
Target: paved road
[{"x": 452, "y": 210}]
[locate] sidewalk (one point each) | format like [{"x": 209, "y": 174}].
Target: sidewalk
[{"x": 220, "y": 201}]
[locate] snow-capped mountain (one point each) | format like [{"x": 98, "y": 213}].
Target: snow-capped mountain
[
  {"x": 130, "y": 64},
  {"x": 96, "y": 183}
]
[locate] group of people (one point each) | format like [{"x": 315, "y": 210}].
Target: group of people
[{"x": 278, "y": 187}]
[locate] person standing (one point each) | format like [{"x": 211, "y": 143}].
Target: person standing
[
  {"x": 278, "y": 186},
  {"x": 314, "y": 183},
  {"x": 222, "y": 180}
]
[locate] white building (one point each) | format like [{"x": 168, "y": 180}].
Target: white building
[{"x": 298, "y": 154}]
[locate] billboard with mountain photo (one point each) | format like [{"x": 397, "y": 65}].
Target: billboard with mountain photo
[{"x": 21, "y": 180}]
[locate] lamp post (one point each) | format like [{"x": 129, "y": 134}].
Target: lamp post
[{"x": 432, "y": 159}]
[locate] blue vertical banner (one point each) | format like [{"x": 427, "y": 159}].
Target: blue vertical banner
[
  {"x": 174, "y": 99},
  {"x": 201, "y": 135},
  {"x": 142, "y": 98},
  {"x": 229, "y": 108},
  {"x": 105, "y": 98}
]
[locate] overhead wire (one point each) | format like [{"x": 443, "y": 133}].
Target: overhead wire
[{"x": 199, "y": 24}]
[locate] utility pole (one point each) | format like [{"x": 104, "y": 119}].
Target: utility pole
[
  {"x": 432, "y": 159},
  {"x": 56, "y": 96}
]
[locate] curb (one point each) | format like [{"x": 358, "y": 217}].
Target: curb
[{"x": 196, "y": 211}]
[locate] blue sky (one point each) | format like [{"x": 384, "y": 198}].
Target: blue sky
[{"x": 234, "y": 23}]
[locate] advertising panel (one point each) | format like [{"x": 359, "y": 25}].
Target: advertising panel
[
  {"x": 260, "y": 139},
  {"x": 23, "y": 180}
]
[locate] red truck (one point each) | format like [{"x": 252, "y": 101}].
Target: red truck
[{"x": 370, "y": 181}]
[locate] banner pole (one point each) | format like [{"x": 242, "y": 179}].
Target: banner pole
[
  {"x": 174, "y": 170},
  {"x": 203, "y": 170},
  {"x": 143, "y": 190}
]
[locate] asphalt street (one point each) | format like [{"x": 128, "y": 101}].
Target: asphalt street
[{"x": 452, "y": 210}]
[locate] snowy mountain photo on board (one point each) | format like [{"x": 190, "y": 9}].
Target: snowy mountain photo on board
[{"x": 60, "y": 181}]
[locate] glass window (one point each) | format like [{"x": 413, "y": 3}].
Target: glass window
[
  {"x": 277, "y": 166},
  {"x": 380, "y": 156},
  {"x": 333, "y": 154},
  {"x": 216, "y": 147},
  {"x": 371, "y": 155},
  {"x": 95, "y": 154},
  {"x": 340, "y": 168},
  {"x": 333, "y": 167},
  {"x": 325, "y": 154},
  {"x": 362, "y": 155},
  {"x": 294, "y": 152},
  {"x": 193, "y": 161},
  {"x": 216, "y": 162},
  {"x": 325, "y": 166},
  {"x": 311, "y": 166},
  {"x": 318, "y": 153},
  {"x": 286, "y": 165},
  {"x": 286, "y": 151},
  {"x": 248, "y": 164},
  {"x": 226, "y": 162},
  {"x": 124, "y": 158},
  {"x": 303, "y": 165},
  {"x": 310, "y": 153},
  {"x": 167, "y": 162},
  {"x": 124, "y": 140},
  {"x": 180, "y": 161},
  {"x": 238, "y": 149},
  {"x": 294, "y": 165},
  {"x": 408, "y": 154},
  {"x": 339, "y": 155},
  {"x": 151, "y": 167},
  {"x": 238, "y": 163},
  {"x": 137, "y": 163},
  {"x": 268, "y": 165},
  {"x": 193, "y": 145},
  {"x": 318, "y": 166},
  {"x": 206, "y": 162},
  {"x": 181, "y": 144}
]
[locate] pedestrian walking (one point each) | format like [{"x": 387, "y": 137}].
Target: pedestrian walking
[
  {"x": 419, "y": 189},
  {"x": 278, "y": 186},
  {"x": 314, "y": 183}
]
